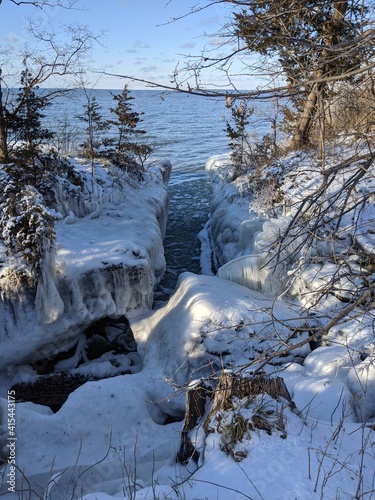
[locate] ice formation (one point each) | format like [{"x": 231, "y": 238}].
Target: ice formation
[
  {"x": 125, "y": 441},
  {"x": 109, "y": 258},
  {"x": 253, "y": 271}
]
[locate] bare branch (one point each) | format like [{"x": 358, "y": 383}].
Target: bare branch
[{"x": 65, "y": 4}]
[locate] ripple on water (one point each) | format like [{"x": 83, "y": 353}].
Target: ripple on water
[{"x": 188, "y": 213}]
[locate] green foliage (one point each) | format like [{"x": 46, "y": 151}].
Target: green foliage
[
  {"x": 4, "y": 119},
  {"x": 26, "y": 219},
  {"x": 314, "y": 41},
  {"x": 237, "y": 135},
  {"x": 299, "y": 32},
  {"x": 26, "y": 123},
  {"x": 42, "y": 176},
  {"x": 27, "y": 226},
  {"x": 95, "y": 126},
  {"x": 124, "y": 149}
]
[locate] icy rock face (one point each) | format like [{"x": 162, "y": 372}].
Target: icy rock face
[
  {"x": 239, "y": 237},
  {"x": 228, "y": 211},
  {"x": 253, "y": 272},
  {"x": 243, "y": 240},
  {"x": 35, "y": 333},
  {"x": 104, "y": 266},
  {"x": 113, "y": 290}
]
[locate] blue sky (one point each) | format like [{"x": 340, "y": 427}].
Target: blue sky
[{"x": 137, "y": 40}]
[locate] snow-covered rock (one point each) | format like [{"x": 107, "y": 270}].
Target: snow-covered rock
[
  {"x": 361, "y": 379},
  {"x": 229, "y": 209},
  {"x": 118, "y": 446},
  {"x": 120, "y": 430},
  {"x": 104, "y": 266},
  {"x": 207, "y": 325}
]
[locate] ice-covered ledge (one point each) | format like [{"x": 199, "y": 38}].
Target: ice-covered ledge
[
  {"x": 236, "y": 232},
  {"x": 107, "y": 263},
  {"x": 232, "y": 226}
]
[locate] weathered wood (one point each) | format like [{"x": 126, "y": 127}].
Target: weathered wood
[
  {"x": 195, "y": 410},
  {"x": 231, "y": 385}
]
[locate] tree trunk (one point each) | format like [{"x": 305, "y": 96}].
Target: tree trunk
[
  {"x": 4, "y": 154},
  {"x": 333, "y": 29},
  {"x": 301, "y": 136},
  {"x": 232, "y": 385}
]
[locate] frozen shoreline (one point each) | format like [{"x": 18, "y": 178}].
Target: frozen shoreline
[
  {"x": 108, "y": 261},
  {"x": 125, "y": 442}
]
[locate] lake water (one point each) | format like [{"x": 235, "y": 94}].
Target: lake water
[
  {"x": 186, "y": 130},
  {"x": 183, "y": 128}
]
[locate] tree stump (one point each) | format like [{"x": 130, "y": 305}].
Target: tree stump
[{"x": 231, "y": 385}]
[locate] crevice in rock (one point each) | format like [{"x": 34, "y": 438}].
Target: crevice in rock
[{"x": 109, "y": 340}]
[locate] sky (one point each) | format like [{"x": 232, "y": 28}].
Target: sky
[{"x": 139, "y": 39}]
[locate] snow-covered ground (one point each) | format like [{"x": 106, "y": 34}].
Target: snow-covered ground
[{"x": 119, "y": 437}]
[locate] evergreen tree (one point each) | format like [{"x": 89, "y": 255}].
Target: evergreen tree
[
  {"x": 237, "y": 135},
  {"x": 26, "y": 125},
  {"x": 315, "y": 41},
  {"x": 4, "y": 153},
  {"x": 95, "y": 126},
  {"x": 124, "y": 149},
  {"x": 27, "y": 227}
]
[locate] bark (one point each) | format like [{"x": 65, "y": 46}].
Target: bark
[
  {"x": 302, "y": 134},
  {"x": 4, "y": 155},
  {"x": 301, "y": 137},
  {"x": 230, "y": 386},
  {"x": 195, "y": 409}
]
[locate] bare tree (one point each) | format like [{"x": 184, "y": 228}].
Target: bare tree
[
  {"x": 46, "y": 57},
  {"x": 68, "y": 4}
]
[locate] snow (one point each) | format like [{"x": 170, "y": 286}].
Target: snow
[
  {"x": 207, "y": 324},
  {"x": 122, "y": 432},
  {"x": 253, "y": 272},
  {"x": 118, "y": 437},
  {"x": 105, "y": 265}
]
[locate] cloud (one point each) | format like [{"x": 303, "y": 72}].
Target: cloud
[
  {"x": 139, "y": 44},
  {"x": 218, "y": 41},
  {"x": 11, "y": 39},
  {"x": 149, "y": 69},
  {"x": 188, "y": 45},
  {"x": 210, "y": 21},
  {"x": 140, "y": 60}
]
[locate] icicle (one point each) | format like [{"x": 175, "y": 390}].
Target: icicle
[
  {"x": 48, "y": 303},
  {"x": 253, "y": 272}
]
